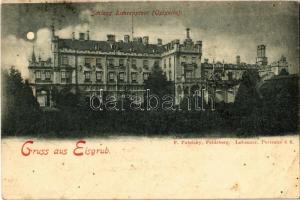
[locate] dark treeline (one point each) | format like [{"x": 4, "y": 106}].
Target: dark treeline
[{"x": 270, "y": 109}]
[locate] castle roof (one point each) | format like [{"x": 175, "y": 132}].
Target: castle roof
[{"x": 107, "y": 46}]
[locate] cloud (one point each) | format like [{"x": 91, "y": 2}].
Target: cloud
[
  {"x": 220, "y": 41},
  {"x": 15, "y": 52}
]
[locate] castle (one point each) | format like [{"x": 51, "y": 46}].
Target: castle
[{"x": 86, "y": 65}]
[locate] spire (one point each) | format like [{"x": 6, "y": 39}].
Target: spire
[
  {"x": 52, "y": 31},
  {"x": 33, "y": 58}
]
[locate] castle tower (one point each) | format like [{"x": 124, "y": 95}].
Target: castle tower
[{"x": 261, "y": 55}]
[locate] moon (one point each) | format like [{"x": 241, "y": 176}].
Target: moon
[{"x": 30, "y": 35}]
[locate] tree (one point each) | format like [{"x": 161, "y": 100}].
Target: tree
[
  {"x": 157, "y": 82},
  {"x": 158, "y": 85},
  {"x": 65, "y": 98},
  {"x": 19, "y": 107},
  {"x": 247, "y": 96},
  {"x": 283, "y": 72}
]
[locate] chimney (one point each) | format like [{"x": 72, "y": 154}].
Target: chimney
[
  {"x": 111, "y": 38},
  {"x": 159, "y": 41},
  {"x": 81, "y": 36},
  {"x": 188, "y": 33},
  {"x": 146, "y": 40},
  {"x": 139, "y": 39},
  {"x": 199, "y": 46},
  {"x": 88, "y": 35},
  {"x": 126, "y": 38},
  {"x": 238, "y": 59},
  {"x": 73, "y": 35}
]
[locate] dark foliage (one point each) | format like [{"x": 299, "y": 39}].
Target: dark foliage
[
  {"x": 158, "y": 84},
  {"x": 274, "y": 112},
  {"x": 270, "y": 109},
  {"x": 20, "y": 110}
]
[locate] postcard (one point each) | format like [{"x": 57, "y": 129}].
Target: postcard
[{"x": 150, "y": 100}]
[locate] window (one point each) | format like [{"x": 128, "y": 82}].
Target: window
[
  {"x": 121, "y": 76},
  {"x": 110, "y": 62},
  {"x": 156, "y": 62},
  {"x": 99, "y": 76},
  {"x": 38, "y": 75},
  {"x": 64, "y": 76},
  {"x": 134, "y": 77},
  {"x": 170, "y": 75},
  {"x": 43, "y": 75},
  {"x": 183, "y": 58},
  {"x": 165, "y": 63},
  {"x": 98, "y": 63},
  {"x": 193, "y": 60},
  {"x": 65, "y": 60},
  {"x": 87, "y": 62},
  {"x": 87, "y": 76},
  {"x": 134, "y": 63},
  {"x": 230, "y": 75},
  {"x": 145, "y": 64},
  {"x": 145, "y": 76},
  {"x": 169, "y": 62},
  {"x": 111, "y": 76},
  {"x": 48, "y": 75},
  {"x": 188, "y": 74},
  {"x": 121, "y": 62}
]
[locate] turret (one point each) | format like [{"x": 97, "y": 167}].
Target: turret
[{"x": 33, "y": 58}]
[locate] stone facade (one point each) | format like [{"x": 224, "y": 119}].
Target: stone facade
[
  {"x": 86, "y": 66},
  {"x": 115, "y": 66}
]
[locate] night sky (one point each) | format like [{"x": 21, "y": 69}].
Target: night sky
[{"x": 227, "y": 29}]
